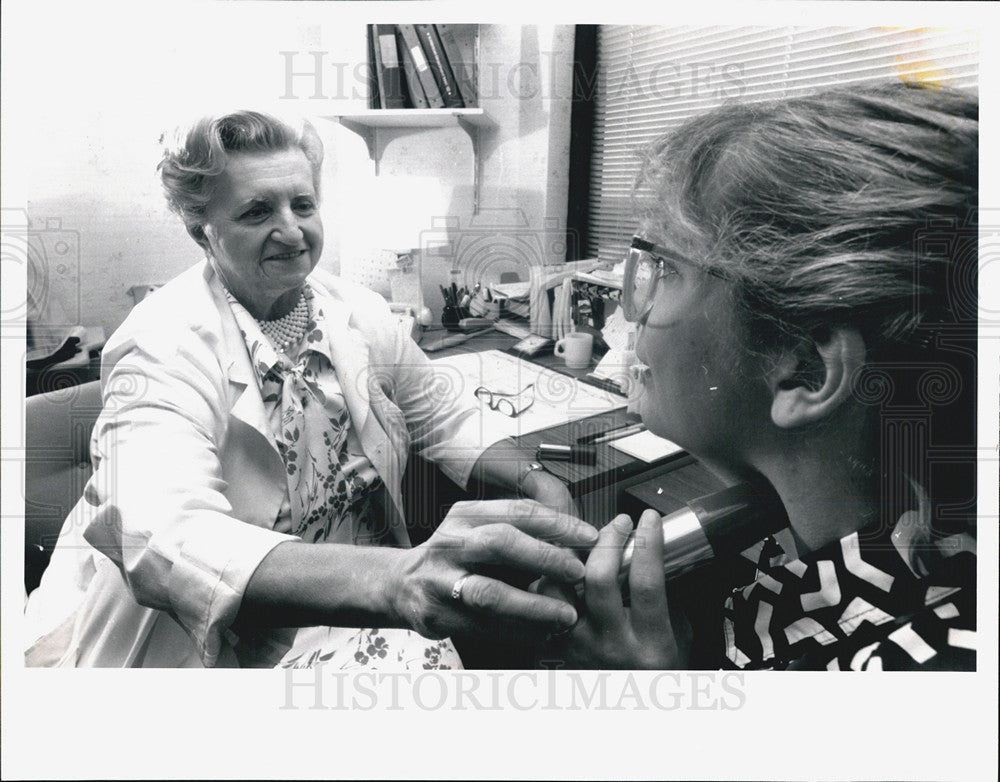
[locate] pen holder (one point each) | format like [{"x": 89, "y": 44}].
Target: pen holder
[{"x": 450, "y": 316}]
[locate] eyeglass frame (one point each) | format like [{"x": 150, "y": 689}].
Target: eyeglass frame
[
  {"x": 660, "y": 256},
  {"x": 505, "y": 397}
]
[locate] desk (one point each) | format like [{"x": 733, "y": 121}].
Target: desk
[{"x": 598, "y": 489}]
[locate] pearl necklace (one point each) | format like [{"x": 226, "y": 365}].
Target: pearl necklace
[{"x": 288, "y": 330}]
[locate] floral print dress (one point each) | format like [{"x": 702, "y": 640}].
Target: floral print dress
[{"x": 334, "y": 496}]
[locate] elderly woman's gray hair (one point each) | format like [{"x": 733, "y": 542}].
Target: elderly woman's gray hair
[{"x": 188, "y": 171}]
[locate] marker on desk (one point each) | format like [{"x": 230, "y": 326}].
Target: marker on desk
[
  {"x": 593, "y": 438},
  {"x": 618, "y": 434},
  {"x": 578, "y": 454}
]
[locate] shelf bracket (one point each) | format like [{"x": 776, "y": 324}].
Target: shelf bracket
[
  {"x": 367, "y": 126},
  {"x": 472, "y": 131},
  {"x": 368, "y": 133}
]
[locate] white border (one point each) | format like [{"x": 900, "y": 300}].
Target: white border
[{"x": 228, "y": 723}]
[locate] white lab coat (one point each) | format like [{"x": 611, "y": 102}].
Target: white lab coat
[{"x": 188, "y": 480}]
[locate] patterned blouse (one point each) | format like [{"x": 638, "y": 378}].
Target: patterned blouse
[
  {"x": 892, "y": 599},
  {"x": 334, "y": 496}
]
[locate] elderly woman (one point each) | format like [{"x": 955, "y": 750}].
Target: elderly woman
[
  {"x": 804, "y": 281},
  {"x": 245, "y": 506}
]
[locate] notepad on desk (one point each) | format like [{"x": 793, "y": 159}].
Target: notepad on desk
[{"x": 646, "y": 446}]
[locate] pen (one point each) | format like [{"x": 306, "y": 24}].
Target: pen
[
  {"x": 590, "y": 438},
  {"x": 619, "y": 434}
]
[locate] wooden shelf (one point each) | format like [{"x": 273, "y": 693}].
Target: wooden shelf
[{"x": 368, "y": 123}]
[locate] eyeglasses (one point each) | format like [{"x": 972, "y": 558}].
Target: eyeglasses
[
  {"x": 645, "y": 265},
  {"x": 511, "y": 405}
]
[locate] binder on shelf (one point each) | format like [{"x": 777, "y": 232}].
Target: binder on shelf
[
  {"x": 412, "y": 43},
  {"x": 374, "y": 98},
  {"x": 459, "y": 48},
  {"x": 438, "y": 62},
  {"x": 414, "y": 89},
  {"x": 390, "y": 81}
]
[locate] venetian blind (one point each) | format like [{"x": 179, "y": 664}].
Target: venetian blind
[{"x": 650, "y": 79}]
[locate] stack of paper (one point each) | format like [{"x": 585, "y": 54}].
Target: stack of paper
[
  {"x": 514, "y": 295},
  {"x": 612, "y": 278},
  {"x": 510, "y": 290},
  {"x": 646, "y": 446}
]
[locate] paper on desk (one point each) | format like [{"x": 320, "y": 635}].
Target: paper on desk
[
  {"x": 558, "y": 399},
  {"x": 617, "y": 330},
  {"x": 511, "y": 290},
  {"x": 612, "y": 278},
  {"x": 562, "y": 310},
  {"x": 646, "y": 446}
]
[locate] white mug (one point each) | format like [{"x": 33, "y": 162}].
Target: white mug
[{"x": 575, "y": 348}]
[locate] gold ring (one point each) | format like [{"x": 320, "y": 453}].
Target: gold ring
[{"x": 456, "y": 591}]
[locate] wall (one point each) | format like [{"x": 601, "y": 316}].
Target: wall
[
  {"x": 424, "y": 195},
  {"x": 95, "y": 128}
]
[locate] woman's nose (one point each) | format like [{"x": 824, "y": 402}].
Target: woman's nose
[{"x": 287, "y": 230}]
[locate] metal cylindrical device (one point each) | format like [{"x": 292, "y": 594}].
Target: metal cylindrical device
[
  {"x": 725, "y": 522},
  {"x": 580, "y": 454}
]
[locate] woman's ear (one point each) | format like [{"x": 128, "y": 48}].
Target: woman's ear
[{"x": 811, "y": 382}]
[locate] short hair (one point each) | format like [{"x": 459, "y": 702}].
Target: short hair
[
  {"x": 858, "y": 207},
  {"x": 188, "y": 170},
  {"x": 816, "y": 207}
]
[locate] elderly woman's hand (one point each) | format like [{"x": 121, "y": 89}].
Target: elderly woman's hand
[
  {"x": 475, "y": 539},
  {"x": 500, "y": 472},
  {"x": 643, "y": 635}
]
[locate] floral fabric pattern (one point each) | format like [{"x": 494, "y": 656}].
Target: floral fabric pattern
[
  {"x": 332, "y": 497},
  {"x": 328, "y": 482},
  {"x": 350, "y": 649}
]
